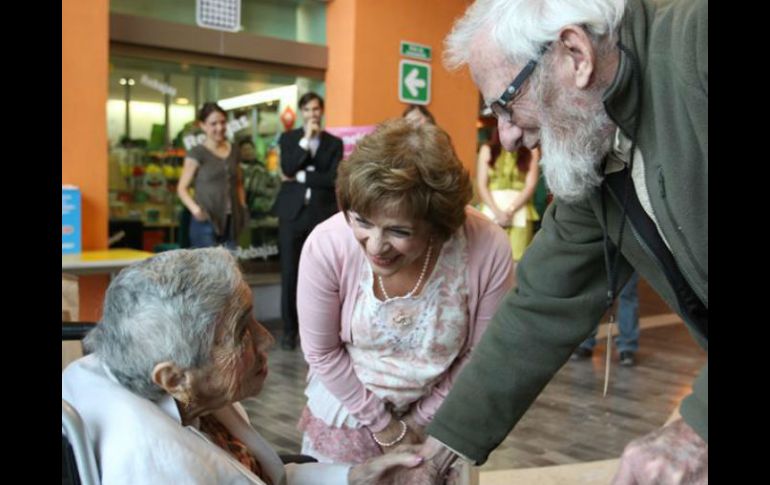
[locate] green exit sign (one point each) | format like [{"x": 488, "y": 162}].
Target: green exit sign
[
  {"x": 413, "y": 82},
  {"x": 418, "y": 51}
]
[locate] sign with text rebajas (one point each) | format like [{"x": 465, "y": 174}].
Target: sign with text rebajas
[{"x": 232, "y": 127}]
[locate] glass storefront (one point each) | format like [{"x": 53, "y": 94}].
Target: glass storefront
[{"x": 151, "y": 112}]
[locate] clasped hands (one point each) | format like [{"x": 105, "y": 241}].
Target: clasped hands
[
  {"x": 410, "y": 460},
  {"x": 505, "y": 218}
]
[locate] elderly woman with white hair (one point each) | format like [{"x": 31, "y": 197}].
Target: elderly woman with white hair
[{"x": 175, "y": 351}]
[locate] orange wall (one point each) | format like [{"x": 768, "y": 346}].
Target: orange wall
[
  {"x": 85, "y": 44},
  {"x": 366, "y": 66},
  {"x": 339, "y": 74},
  {"x": 361, "y": 85}
]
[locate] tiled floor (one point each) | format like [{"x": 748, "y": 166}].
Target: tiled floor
[{"x": 570, "y": 421}]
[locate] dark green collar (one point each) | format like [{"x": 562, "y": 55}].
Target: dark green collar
[{"x": 621, "y": 99}]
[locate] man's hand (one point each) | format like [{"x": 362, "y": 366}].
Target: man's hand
[
  {"x": 383, "y": 469},
  {"x": 673, "y": 454},
  {"x": 312, "y": 129}
]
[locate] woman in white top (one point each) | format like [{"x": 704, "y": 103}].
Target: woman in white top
[{"x": 176, "y": 349}]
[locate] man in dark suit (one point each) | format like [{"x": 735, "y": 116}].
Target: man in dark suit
[{"x": 309, "y": 159}]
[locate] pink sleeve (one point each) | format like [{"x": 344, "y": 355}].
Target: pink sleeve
[
  {"x": 492, "y": 266},
  {"x": 319, "y": 306}
]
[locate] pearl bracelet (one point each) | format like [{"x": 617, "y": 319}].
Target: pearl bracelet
[{"x": 401, "y": 435}]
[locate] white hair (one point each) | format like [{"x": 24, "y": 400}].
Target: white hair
[
  {"x": 520, "y": 28},
  {"x": 166, "y": 308}
]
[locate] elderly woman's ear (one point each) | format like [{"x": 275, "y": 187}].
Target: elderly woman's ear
[{"x": 175, "y": 381}]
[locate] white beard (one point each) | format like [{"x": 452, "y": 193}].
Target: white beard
[{"x": 574, "y": 140}]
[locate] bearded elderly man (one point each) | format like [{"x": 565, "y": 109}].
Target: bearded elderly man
[{"x": 615, "y": 92}]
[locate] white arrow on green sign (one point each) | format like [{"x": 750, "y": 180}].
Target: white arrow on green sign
[{"x": 413, "y": 82}]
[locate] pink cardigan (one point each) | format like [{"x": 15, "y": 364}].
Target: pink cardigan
[{"x": 329, "y": 276}]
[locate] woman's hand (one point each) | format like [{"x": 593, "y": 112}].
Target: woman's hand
[
  {"x": 397, "y": 433},
  {"x": 391, "y": 435},
  {"x": 411, "y": 438},
  {"x": 417, "y": 431},
  {"x": 509, "y": 214},
  {"x": 200, "y": 215},
  {"x": 503, "y": 219}
]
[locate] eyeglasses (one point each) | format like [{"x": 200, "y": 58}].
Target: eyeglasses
[{"x": 499, "y": 107}]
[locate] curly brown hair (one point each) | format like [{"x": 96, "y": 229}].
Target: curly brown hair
[{"x": 409, "y": 170}]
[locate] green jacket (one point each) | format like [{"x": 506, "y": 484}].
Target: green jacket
[{"x": 562, "y": 280}]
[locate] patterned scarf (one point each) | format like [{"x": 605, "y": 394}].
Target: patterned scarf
[{"x": 225, "y": 440}]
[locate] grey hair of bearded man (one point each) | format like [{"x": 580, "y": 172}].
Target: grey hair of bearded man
[
  {"x": 166, "y": 308},
  {"x": 575, "y": 130},
  {"x": 520, "y": 28}
]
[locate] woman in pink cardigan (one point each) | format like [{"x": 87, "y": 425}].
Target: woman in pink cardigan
[{"x": 394, "y": 292}]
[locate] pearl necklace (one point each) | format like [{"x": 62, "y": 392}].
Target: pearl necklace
[{"x": 419, "y": 280}]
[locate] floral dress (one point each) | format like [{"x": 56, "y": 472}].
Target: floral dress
[{"x": 400, "y": 349}]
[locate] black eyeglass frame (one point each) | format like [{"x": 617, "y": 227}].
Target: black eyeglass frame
[{"x": 501, "y": 103}]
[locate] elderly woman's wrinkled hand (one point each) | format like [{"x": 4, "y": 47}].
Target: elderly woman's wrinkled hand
[
  {"x": 436, "y": 469},
  {"x": 424, "y": 474},
  {"x": 384, "y": 469}
]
